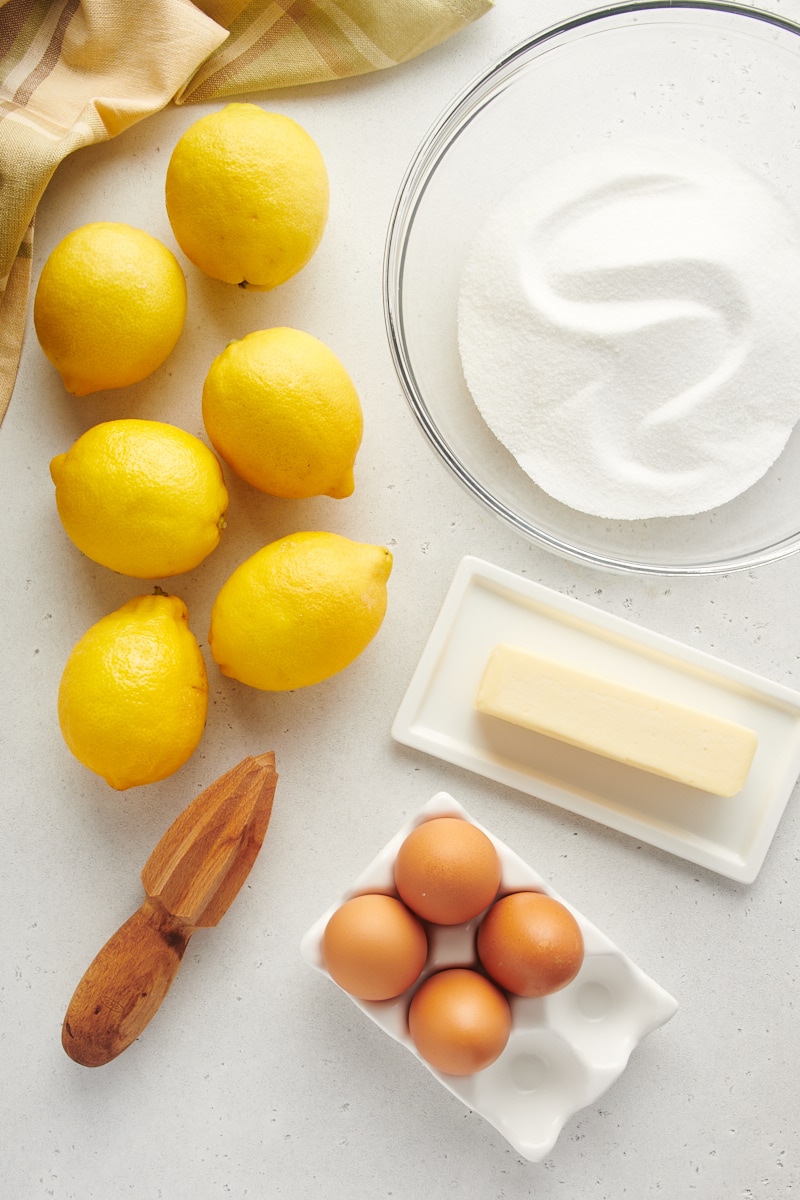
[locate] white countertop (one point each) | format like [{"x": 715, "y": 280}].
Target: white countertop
[{"x": 258, "y": 1078}]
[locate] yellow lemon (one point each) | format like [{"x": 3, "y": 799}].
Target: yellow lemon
[
  {"x": 134, "y": 693},
  {"x": 280, "y": 408},
  {"x": 141, "y": 497},
  {"x": 247, "y": 195},
  {"x": 299, "y": 610},
  {"x": 109, "y": 306}
]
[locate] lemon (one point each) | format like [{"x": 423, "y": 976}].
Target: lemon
[
  {"x": 109, "y": 306},
  {"x": 141, "y": 497},
  {"x": 280, "y": 408},
  {"x": 247, "y": 195},
  {"x": 299, "y": 610},
  {"x": 134, "y": 693}
]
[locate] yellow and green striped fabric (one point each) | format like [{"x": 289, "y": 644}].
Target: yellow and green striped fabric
[
  {"x": 74, "y": 72},
  {"x": 279, "y": 43}
]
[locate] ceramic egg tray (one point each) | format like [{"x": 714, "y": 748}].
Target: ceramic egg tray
[{"x": 565, "y": 1050}]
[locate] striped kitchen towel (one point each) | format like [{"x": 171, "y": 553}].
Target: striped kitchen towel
[
  {"x": 279, "y": 44},
  {"x": 74, "y": 72}
]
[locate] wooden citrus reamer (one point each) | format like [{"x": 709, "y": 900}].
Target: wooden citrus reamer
[{"x": 190, "y": 881}]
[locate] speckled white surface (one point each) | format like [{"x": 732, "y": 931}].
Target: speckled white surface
[{"x": 257, "y": 1078}]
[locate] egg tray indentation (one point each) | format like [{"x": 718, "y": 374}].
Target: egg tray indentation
[{"x": 565, "y": 1049}]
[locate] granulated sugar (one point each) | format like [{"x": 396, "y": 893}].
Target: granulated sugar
[{"x": 628, "y": 327}]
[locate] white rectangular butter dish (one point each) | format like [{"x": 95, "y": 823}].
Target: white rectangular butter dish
[{"x": 486, "y": 605}]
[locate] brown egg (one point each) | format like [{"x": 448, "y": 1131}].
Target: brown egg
[
  {"x": 530, "y": 944},
  {"x": 447, "y": 870},
  {"x": 373, "y": 947},
  {"x": 459, "y": 1021}
]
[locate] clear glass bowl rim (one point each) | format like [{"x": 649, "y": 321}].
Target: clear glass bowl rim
[{"x": 409, "y": 195}]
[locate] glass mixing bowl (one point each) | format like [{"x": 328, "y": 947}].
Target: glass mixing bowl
[{"x": 720, "y": 74}]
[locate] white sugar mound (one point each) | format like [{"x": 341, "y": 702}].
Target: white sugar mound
[{"x": 628, "y": 328}]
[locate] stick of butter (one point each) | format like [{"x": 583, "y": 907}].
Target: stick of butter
[{"x": 618, "y": 722}]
